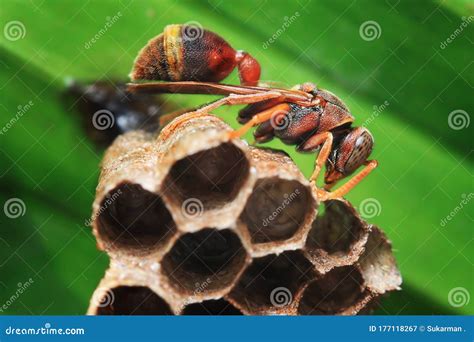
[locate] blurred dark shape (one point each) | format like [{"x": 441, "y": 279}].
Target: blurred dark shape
[{"x": 107, "y": 110}]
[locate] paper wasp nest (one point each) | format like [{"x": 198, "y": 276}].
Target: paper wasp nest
[{"x": 196, "y": 224}]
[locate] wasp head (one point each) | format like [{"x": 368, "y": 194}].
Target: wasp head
[{"x": 350, "y": 151}]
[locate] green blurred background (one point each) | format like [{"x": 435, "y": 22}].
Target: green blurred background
[{"x": 402, "y": 84}]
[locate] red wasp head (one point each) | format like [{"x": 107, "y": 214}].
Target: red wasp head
[{"x": 348, "y": 154}]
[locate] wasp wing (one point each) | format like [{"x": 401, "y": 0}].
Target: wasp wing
[{"x": 188, "y": 87}]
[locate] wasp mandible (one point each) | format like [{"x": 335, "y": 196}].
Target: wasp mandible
[{"x": 314, "y": 119}]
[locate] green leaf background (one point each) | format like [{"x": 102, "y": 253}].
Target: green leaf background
[{"x": 425, "y": 167}]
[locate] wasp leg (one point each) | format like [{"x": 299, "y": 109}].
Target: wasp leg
[
  {"x": 246, "y": 113},
  {"x": 323, "y": 195},
  {"x": 261, "y": 117},
  {"x": 326, "y": 139},
  {"x": 233, "y": 99},
  {"x": 237, "y": 99},
  {"x": 168, "y": 117}
]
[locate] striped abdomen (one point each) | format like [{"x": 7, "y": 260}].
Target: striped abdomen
[{"x": 185, "y": 53}]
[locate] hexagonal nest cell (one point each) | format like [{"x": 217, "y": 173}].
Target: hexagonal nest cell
[
  {"x": 257, "y": 247},
  {"x": 337, "y": 237},
  {"x": 132, "y": 218},
  {"x": 336, "y": 230},
  {"x": 132, "y": 300},
  {"x": 212, "y": 176},
  {"x": 272, "y": 282},
  {"x": 276, "y": 209},
  {"x": 333, "y": 293},
  {"x": 204, "y": 262}
]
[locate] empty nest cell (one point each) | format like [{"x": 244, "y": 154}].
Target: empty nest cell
[
  {"x": 219, "y": 307},
  {"x": 203, "y": 262},
  {"x": 132, "y": 300},
  {"x": 272, "y": 283},
  {"x": 276, "y": 209},
  {"x": 134, "y": 219},
  {"x": 214, "y": 176},
  {"x": 336, "y": 230},
  {"x": 337, "y": 237},
  {"x": 378, "y": 264},
  {"x": 333, "y": 293}
]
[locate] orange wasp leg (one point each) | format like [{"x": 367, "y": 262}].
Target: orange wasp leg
[
  {"x": 232, "y": 99},
  {"x": 259, "y": 118},
  {"x": 237, "y": 99},
  {"x": 326, "y": 139},
  {"x": 323, "y": 195},
  {"x": 168, "y": 117}
]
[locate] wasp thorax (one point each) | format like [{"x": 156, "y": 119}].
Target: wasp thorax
[{"x": 185, "y": 53}]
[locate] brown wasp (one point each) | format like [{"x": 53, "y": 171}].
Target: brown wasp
[{"x": 311, "y": 118}]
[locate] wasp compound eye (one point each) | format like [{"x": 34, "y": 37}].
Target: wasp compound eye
[{"x": 349, "y": 154}]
